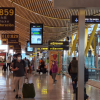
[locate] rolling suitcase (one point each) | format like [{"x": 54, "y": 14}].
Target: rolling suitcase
[{"x": 28, "y": 90}]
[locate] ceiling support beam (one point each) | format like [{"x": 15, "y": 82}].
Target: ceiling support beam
[{"x": 91, "y": 38}]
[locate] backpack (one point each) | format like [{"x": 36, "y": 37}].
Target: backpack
[
  {"x": 74, "y": 67},
  {"x": 86, "y": 75}
]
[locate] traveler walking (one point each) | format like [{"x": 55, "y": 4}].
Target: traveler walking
[
  {"x": 32, "y": 63},
  {"x": 12, "y": 64},
  {"x": 74, "y": 72},
  {"x": 54, "y": 69},
  {"x": 20, "y": 70},
  {"x": 86, "y": 77},
  {"x": 8, "y": 61}
]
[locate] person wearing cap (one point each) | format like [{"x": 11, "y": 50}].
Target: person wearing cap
[{"x": 19, "y": 68}]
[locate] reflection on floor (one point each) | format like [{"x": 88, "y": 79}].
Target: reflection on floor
[{"x": 44, "y": 88}]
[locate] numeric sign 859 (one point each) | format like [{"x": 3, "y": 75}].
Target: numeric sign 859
[{"x": 6, "y": 12}]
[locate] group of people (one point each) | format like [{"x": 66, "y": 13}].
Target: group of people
[
  {"x": 73, "y": 72},
  {"x": 20, "y": 68}
]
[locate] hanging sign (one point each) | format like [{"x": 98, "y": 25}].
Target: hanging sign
[
  {"x": 7, "y": 18},
  {"x": 58, "y": 43},
  {"x": 17, "y": 46},
  {"x": 58, "y": 48},
  {"x": 88, "y": 19},
  {"x": 42, "y": 49},
  {"x": 18, "y": 51},
  {"x": 11, "y": 47},
  {"x": 10, "y": 39}
]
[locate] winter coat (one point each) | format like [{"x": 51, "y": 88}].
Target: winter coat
[{"x": 54, "y": 68}]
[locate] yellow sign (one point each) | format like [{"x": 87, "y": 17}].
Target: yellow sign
[
  {"x": 11, "y": 47},
  {"x": 4, "y": 41},
  {"x": 7, "y": 36},
  {"x": 56, "y": 43},
  {"x": 42, "y": 48},
  {"x": 6, "y": 12},
  {"x": 56, "y": 48}
]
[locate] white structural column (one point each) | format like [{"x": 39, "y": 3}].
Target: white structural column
[
  {"x": 35, "y": 59},
  {"x": 81, "y": 60}
]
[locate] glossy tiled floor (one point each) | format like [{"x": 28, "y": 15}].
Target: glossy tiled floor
[{"x": 44, "y": 88}]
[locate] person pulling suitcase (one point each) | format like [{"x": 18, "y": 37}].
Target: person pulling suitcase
[{"x": 20, "y": 70}]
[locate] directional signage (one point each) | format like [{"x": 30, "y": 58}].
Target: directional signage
[
  {"x": 18, "y": 46},
  {"x": 18, "y": 51},
  {"x": 10, "y": 39},
  {"x": 58, "y": 43},
  {"x": 42, "y": 49},
  {"x": 88, "y": 19},
  {"x": 58, "y": 48},
  {"x": 7, "y": 18}
]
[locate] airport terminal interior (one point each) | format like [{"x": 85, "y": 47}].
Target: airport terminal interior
[{"x": 40, "y": 33}]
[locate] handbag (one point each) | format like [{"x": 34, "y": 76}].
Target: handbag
[{"x": 50, "y": 72}]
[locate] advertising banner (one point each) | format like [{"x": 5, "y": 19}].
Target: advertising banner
[{"x": 7, "y": 18}]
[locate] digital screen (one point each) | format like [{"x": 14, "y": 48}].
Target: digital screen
[
  {"x": 29, "y": 49},
  {"x": 36, "y": 34}
]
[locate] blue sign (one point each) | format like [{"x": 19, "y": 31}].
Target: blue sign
[{"x": 88, "y": 19}]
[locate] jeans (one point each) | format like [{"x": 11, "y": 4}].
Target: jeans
[{"x": 73, "y": 76}]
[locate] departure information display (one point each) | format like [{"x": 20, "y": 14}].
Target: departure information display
[
  {"x": 29, "y": 49},
  {"x": 7, "y": 18},
  {"x": 36, "y": 34}
]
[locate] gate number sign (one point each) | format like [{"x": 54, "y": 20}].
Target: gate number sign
[{"x": 7, "y": 18}]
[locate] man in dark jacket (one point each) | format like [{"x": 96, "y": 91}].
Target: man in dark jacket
[
  {"x": 86, "y": 77},
  {"x": 74, "y": 72}
]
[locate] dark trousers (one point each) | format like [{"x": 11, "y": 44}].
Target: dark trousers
[
  {"x": 8, "y": 65},
  {"x": 73, "y": 76},
  {"x": 85, "y": 95}
]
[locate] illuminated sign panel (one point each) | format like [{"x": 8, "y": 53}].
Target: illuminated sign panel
[
  {"x": 88, "y": 19},
  {"x": 7, "y": 18},
  {"x": 11, "y": 39},
  {"x": 28, "y": 48},
  {"x": 36, "y": 34},
  {"x": 58, "y": 43},
  {"x": 58, "y": 48},
  {"x": 7, "y": 36},
  {"x": 43, "y": 49},
  {"x": 18, "y": 46}
]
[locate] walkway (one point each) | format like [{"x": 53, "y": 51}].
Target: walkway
[{"x": 44, "y": 88}]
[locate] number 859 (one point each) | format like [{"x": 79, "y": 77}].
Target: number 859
[{"x": 6, "y": 12}]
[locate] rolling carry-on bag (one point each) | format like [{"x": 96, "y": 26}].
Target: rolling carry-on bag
[{"x": 28, "y": 90}]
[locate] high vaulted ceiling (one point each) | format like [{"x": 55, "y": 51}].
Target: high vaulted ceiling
[{"x": 56, "y": 21}]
